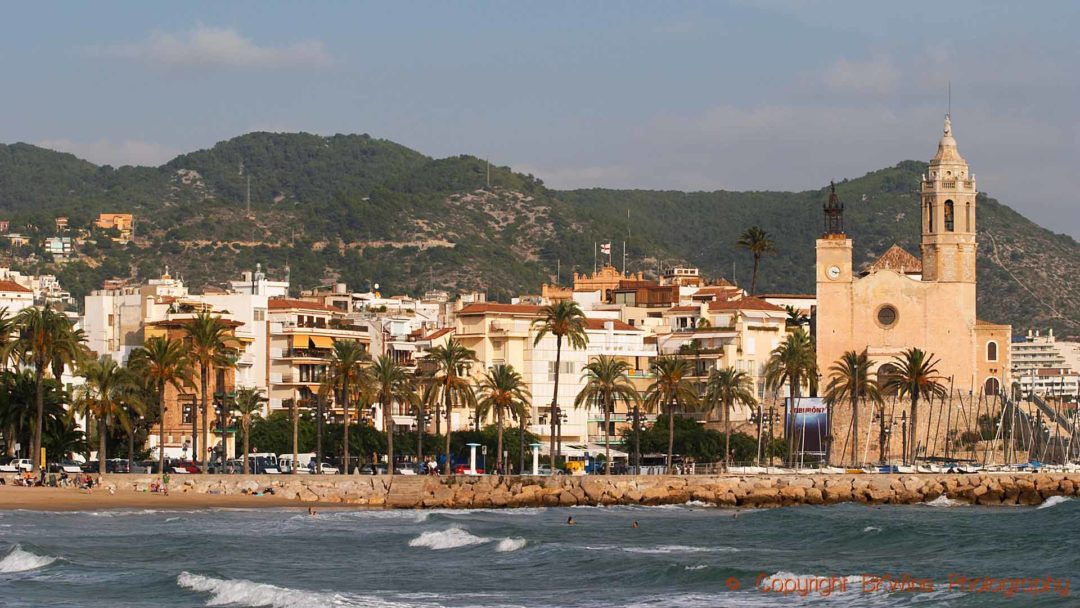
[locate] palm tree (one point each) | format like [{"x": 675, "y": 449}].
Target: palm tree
[
  {"x": 48, "y": 342},
  {"x": 248, "y": 402},
  {"x": 725, "y": 388},
  {"x": 165, "y": 363},
  {"x": 207, "y": 335},
  {"x": 451, "y": 387},
  {"x": 792, "y": 362},
  {"x": 7, "y": 327},
  {"x": 849, "y": 378},
  {"x": 671, "y": 390},
  {"x": 391, "y": 383},
  {"x": 18, "y": 397},
  {"x": 343, "y": 377},
  {"x": 565, "y": 320},
  {"x": 107, "y": 396},
  {"x": 795, "y": 317},
  {"x": 758, "y": 243},
  {"x": 607, "y": 381},
  {"x": 503, "y": 392},
  {"x": 916, "y": 376}
]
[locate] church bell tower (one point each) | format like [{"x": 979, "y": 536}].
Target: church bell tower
[{"x": 948, "y": 215}]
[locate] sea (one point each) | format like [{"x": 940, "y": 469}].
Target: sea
[{"x": 694, "y": 555}]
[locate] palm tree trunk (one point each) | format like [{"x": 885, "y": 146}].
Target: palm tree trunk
[
  {"x": 295, "y": 437},
  {"x": 102, "y": 430},
  {"x": 446, "y": 399},
  {"x": 419, "y": 433},
  {"x": 913, "y": 427},
  {"x": 318, "y": 433},
  {"x": 671, "y": 435},
  {"x": 555, "y": 406},
  {"x": 161, "y": 427},
  {"x": 753, "y": 277},
  {"x": 39, "y": 398},
  {"x": 204, "y": 456},
  {"x": 388, "y": 424},
  {"x": 607, "y": 439},
  {"x": 247, "y": 435},
  {"x": 131, "y": 449},
  {"x": 727, "y": 435},
  {"x": 855, "y": 428},
  {"x": 345, "y": 435},
  {"x": 438, "y": 419},
  {"x": 499, "y": 464}
]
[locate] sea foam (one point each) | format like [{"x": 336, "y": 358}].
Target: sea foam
[
  {"x": 945, "y": 501},
  {"x": 450, "y": 538},
  {"x": 1053, "y": 500},
  {"x": 240, "y": 592},
  {"x": 507, "y": 545},
  {"x": 19, "y": 560}
]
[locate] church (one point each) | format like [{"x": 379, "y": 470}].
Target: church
[{"x": 901, "y": 301}]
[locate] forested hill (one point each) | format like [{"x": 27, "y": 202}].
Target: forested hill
[{"x": 363, "y": 210}]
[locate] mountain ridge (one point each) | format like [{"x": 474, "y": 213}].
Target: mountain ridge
[{"x": 363, "y": 210}]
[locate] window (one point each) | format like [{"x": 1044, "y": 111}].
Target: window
[
  {"x": 187, "y": 408},
  {"x": 967, "y": 217},
  {"x": 886, "y": 316},
  {"x": 565, "y": 367},
  {"x": 992, "y": 387},
  {"x": 260, "y": 314},
  {"x": 929, "y": 217},
  {"x": 991, "y": 351},
  {"x": 950, "y": 220}
]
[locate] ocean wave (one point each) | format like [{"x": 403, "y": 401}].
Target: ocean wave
[
  {"x": 450, "y": 538},
  {"x": 1053, "y": 500},
  {"x": 240, "y": 592},
  {"x": 507, "y": 545},
  {"x": 945, "y": 501},
  {"x": 696, "y": 567},
  {"x": 871, "y": 529},
  {"x": 665, "y": 549},
  {"x": 19, "y": 560}
]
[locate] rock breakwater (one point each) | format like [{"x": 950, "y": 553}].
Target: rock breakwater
[{"x": 759, "y": 491}]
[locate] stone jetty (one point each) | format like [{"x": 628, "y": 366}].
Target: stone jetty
[{"x": 758, "y": 491}]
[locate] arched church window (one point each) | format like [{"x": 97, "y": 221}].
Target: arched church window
[
  {"x": 929, "y": 217},
  {"x": 949, "y": 218},
  {"x": 991, "y": 351},
  {"x": 967, "y": 217},
  {"x": 885, "y": 372},
  {"x": 992, "y": 387}
]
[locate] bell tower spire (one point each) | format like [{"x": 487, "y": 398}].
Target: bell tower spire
[{"x": 948, "y": 215}]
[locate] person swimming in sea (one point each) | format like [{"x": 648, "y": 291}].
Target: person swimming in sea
[
  {"x": 570, "y": 521},
  {"x": 634, "y": 525}
]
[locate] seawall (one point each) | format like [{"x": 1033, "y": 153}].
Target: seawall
[{"x": 413, "y": 492}]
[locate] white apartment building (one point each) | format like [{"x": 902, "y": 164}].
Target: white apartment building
[{"x": 1039, "y": 365}]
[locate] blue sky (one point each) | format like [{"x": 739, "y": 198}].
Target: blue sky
[{"x": 673, "y": 95}]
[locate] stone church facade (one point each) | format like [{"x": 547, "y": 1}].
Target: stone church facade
[{"x": 901, "y": 301}]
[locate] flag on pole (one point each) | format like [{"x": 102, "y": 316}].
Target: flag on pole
[{"x": 605, "y": 248}]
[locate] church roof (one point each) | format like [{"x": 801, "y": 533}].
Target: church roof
[
  {"x": 897, "y": 259},
  {"x": 947, "y": 151}
]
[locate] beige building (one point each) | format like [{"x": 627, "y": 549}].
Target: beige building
[{"x": 902, "y": 302}]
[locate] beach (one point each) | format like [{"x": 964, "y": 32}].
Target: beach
[{"x": 71, "y": 499}]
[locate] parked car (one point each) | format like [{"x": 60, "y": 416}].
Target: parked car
[
  {"x": 327, "y": 468},
  {"x": 371, "y": 469},
  {"x": 462, "y": 468},
  {"x": 184, "y": 467},
  {"x": 16, "y": 465},
  {"x": 70, "y": 466}
]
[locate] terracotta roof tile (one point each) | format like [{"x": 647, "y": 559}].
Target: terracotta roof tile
[
  {"x": 897, "y": 259},
  {"x": 684, "y": 309},
  {"x": 598, "y": 324},
  {"x": 438, "y": 333},
  {"x": 480, "y": 308},
  {"x": 747, "y": 303},
  {"x": 286, "y": 303},
  {"x": 12, "y": 286}
]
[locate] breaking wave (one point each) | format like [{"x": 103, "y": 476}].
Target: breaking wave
[
  {"x": 19, "y": 560},
  {"x": 1053, "y": 500},
  {"x": 450, "y": 538},
  {"x": 507, "y": 545}
]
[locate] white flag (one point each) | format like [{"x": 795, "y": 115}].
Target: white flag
[{"x": 605, "y": 248}]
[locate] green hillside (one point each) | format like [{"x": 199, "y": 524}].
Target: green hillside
[{"x": 363, "y": 210}]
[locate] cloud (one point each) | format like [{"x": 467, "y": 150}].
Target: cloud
[
  {"x": 107, "y": 152},
  {"x": 875, "y": 76},
  {"x": 206, "y": 46}
]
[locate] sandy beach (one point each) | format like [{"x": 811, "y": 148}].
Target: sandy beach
[{"x": 70, "y": 499}]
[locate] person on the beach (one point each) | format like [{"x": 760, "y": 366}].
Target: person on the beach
[{"x": 165, "y": 483}]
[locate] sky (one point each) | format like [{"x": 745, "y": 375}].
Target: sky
[{"x": 740, "y": 95}]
